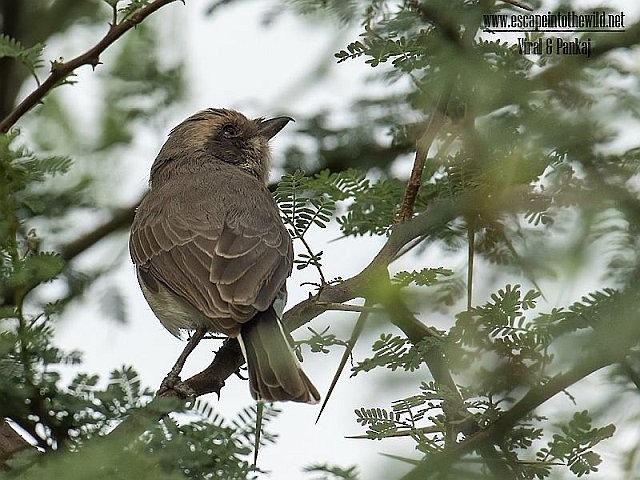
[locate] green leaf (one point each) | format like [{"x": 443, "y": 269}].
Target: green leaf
[
  {"x": 36, "y": 269},
  {"x": 335, "y": 472},
  {"x": 424, "y": 277},
  {"x": 30, "y": 57}
]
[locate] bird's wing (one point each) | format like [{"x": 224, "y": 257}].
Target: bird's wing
[{"x": 224, "y": 250}]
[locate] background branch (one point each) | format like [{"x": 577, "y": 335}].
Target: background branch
[
  {"x": 422, "y": 150},
  {"x": 600, "y": 354},
  {"x": 121, "y": 219},
  {"x": 60, "y": 71}
]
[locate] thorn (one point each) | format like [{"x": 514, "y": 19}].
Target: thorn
[
  {"x": 258, "y": 431},
  {"x": 355, "y": 334}
]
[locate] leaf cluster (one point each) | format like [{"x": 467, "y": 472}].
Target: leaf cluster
[
  {"x": 573, "y": 446},
  {"x": 332, "y": 472},
  {"x": 319, "y": 342},
  {"x": 30, "y": 57},
  {"x": 500, "y": 347},
  {"x": 78, "y": 418},
  {"x": 501, "y": 328},
  {"x": 395, "y": 352},
  {"x": 369, "y": 206}
]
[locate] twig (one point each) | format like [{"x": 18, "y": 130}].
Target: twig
[
  {"x": 422, "y": 150},
  {"x": 341, "y": 307},
  {"x": 312, "y": 255},
  {"x": 401, "y": 433},
  {"x": 355, "y": 335},
  {"x": 471, "y": 249},
  {"x": 518, "y": 4},
  {"x": 61, "y": 70}
]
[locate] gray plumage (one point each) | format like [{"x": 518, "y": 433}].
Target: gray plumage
[{"x": 210, "y": 247}]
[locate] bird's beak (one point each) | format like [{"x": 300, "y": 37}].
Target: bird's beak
[{"x": 269, "y": 128}]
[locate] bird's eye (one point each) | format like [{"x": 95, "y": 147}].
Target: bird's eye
[{"x": 230, "y": 131}]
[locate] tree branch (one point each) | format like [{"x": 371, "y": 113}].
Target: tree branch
[
  {"x": 229, "y": 358},
  {"x": 606, "y": 345},
  {"x": 438, "y": 214},
  {"x": 120, "y": 219},
  {"x": 459, "y": 418},
  {"x": 422, "y": 150},
  {"x": 60, "y": 71}
]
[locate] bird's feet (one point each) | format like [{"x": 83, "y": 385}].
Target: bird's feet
[
  {"x": 172, "y": 382},
  {"x": 239, "y": 372}
]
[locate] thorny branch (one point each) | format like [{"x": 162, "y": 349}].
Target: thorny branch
[
  {"x": 61, "y": 70},
  {"x": 422, "y": 150},
  {"x": 451, "y": 33}
]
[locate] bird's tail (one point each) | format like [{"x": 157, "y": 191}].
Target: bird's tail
[{"x": 274, "y": 371}]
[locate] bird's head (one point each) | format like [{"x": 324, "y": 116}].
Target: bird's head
[{"x": 223, "y": 135}]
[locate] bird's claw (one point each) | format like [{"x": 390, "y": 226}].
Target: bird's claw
[
  {"x": 239, "y": 374},
  {"x": 173, "y": 382}
]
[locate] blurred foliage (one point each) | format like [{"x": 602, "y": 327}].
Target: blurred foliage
[
  {"x": 332, "y": 472},
  {"x": 553, "y": 200},
  {"x": 529, "y": 147}
]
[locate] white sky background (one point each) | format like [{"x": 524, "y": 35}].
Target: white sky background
[{"x": 233, "y": 61}]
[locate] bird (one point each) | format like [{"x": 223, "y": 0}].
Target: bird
[{"x": 211, "y": 251}]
